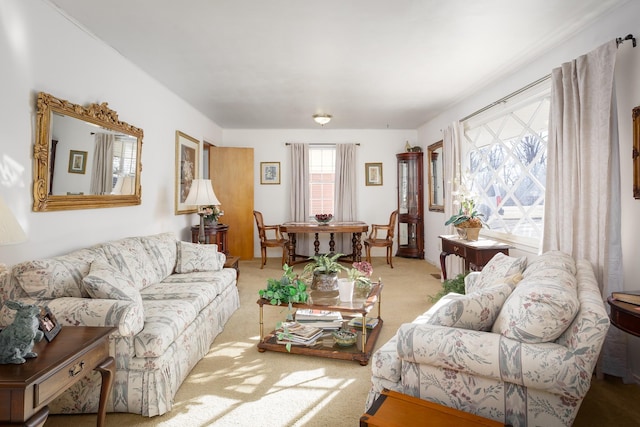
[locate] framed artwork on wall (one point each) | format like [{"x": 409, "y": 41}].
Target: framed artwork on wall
[
  {"x": 373, "y": 173},
  {"x": 77, "y": 161},
  {"x": 187, "y": 161},
  {"x": 636, "y": 152},
  {"x": 269, "y": 172}
]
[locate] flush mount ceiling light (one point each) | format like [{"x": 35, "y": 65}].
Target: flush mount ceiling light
[{"x": 322, "y": 119}]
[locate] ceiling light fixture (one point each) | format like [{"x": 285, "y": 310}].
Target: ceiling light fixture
[{"x": 322, "y": 119}]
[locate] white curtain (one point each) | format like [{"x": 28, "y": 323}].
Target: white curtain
[
  {"x": 345, "y": 192},
  {"x": 582, "y": 200},
  {"x": 299, "y": 202},
  {"x": 102, "y": 171},
  {"x": 452, "y": 151}
]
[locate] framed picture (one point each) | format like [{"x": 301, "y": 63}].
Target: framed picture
[
  {"x": 373, "y": 173},
  {"x": 187, "y": 161},
  {"x": 269, "y": 172},
  {"x": 77, "y": 161},
  {"x": 48, "y": 323}
]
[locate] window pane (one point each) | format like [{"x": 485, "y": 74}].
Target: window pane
[{"x": 322, "y": 161}]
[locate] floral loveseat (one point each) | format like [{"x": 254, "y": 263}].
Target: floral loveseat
[
  {"x": 519, "y": 347},
  {"x": 169, "y": 300}
]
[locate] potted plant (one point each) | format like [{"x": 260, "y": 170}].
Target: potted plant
[
  {"x": 468, "y": 221},
  {"x": 288, "y": 289},
  {"x": 324, "y": 282},
  {"x": 361, "y": 273},
  {"x": 451, "y": 285}
]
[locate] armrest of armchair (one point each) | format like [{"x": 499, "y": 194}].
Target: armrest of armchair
[
  {"x": 378, "y": 227},
  {"x": 127, "y": 316},
  {"x": 544, "y": 366},
  {"x": 275, "y": 229}
]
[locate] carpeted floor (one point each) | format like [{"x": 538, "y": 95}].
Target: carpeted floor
[{"x": 235, "y": 385}]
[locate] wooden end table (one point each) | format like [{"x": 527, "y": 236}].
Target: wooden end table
[
  {"x": 476, "y": 254},
  {"x": 325, "y": 347},
  {"x": 396, "y": 409},
  {"x": 26, "y": 389},
  {"x": 232, "y": 262},
  {"x": 213, "y": 234},
  {"x": 625, "y": 316}
]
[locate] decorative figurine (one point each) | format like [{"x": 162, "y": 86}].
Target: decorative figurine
[{"x": 17, "y": 339}]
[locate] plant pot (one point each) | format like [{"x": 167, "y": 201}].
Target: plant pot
[
  {"x": 472, "y": 233},
  {"x": 324, "y": 288}
]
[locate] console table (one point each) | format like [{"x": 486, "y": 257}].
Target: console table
[
  {"x": 476, "y": 254},
  {"x": 26, "y": 389},
  {"x": 213, "y": 234}
]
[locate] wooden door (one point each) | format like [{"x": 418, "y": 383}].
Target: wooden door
[{"x": 231, "y": 173}]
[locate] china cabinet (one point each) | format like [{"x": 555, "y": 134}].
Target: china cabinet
[{"x": 410, "y": 205}]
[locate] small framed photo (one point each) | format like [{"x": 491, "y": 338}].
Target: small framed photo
[
  {"x": 373, "y": 173},
  {"x": 48, "y": 323},
  {"x": 269, "y": 172},
  {"x": 77, "y": 161}
]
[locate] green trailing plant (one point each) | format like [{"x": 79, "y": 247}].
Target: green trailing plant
[
  {"x": 451, "y": 285},
  {"x": 288, "y": 289}
]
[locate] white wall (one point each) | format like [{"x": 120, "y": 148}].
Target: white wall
[
  {"x": 619, "y": 23},
  {"x": 42, "y": 51},
  {"x": 375, "y": 203}
]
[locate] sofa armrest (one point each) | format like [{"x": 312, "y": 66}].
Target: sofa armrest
[
  {"x": 127, "y": 316},
  {"x": 544, "y": 366},
  {"x": 470, "y": 279}
]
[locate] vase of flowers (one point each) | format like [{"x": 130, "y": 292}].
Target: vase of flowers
[
  {"x": 468, "y": 221},
  {"x": 211, "y": 214},
  {"x": 360, "y": 273}
]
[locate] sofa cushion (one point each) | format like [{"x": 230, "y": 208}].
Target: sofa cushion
[
  {"x": 194, "y": 257},
  {"x": 477, "y": 310},
  {"x": 104, "y": 281},
  {"x": 500, "y": 269},
  {"x": 56, "y": 277},
  {"x": 538, "y": 310},
  {"x": 162, "y": 251},
  {"x": 129, "y": 256}
]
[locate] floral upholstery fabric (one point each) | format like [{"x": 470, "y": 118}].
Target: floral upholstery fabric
[
  {"x": 477, "y": 310},
  {"x": 494, "y": 376},
  {"x": 499, "y": 269},
  {"x": 106, "y": 282},
  {"x": 185, "y": 311},
  {"x": 193, "y": 257}
]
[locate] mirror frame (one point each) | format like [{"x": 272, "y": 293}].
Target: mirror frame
[
  {"x": 636, "y": 152},
  {"x": 430, "y": 151},
  {"x": 98, "y": 114}
]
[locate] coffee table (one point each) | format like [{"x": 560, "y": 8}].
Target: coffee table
[{"x": 325, "y": 347}]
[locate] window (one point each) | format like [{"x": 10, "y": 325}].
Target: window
[
  {"x": 507, "y": 165},
  {"x": 322, "y": 172},
  {"x": 124, "y": 157}
]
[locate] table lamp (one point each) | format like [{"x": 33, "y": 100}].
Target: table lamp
[
  {"x": 201, "y": 194},
  {"x": 10, "y": 230}
]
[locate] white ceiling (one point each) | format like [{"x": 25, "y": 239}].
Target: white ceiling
[{"x": 372, "y": 64}]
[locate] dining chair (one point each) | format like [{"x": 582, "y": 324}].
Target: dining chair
[
  {"x": 382, "y": 241},
  {"x": 269, "y": 239}
]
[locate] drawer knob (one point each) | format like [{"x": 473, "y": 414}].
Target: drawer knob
[{"x": 76, "y": 369}]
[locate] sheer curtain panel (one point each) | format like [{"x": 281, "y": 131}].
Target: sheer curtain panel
[
  {"x": 299, "y": 202},
  {"x": 345, "y": 191}
]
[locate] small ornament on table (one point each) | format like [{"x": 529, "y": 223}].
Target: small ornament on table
[{"x": 17, "y": 339}]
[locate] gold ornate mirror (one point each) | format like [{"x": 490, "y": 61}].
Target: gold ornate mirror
[
  {"x": 84, "y": 157},
  {"x": 636, "y": 152},
  {"x": 436, "y": 177}
]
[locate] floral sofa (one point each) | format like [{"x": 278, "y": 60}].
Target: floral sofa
[
  {"x": 519, "y": 347},
  {"x": 168, "y": 299}
]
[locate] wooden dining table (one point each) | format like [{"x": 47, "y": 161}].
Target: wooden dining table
[{"x": 356, "y": 228}]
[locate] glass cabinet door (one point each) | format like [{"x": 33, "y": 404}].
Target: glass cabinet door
[{"x": 410, "y": 205}]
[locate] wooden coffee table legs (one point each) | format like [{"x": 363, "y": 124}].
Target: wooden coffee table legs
[{"x": 107, "y": 370}]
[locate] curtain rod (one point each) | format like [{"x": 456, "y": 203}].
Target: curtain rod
[
  {"x": 621, "y": 40},
  {"x": 505, "y": 98},
  {"x": 320, "y": 143}
]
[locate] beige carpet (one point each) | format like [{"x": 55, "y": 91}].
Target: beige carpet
[{"x": 235, "y": 385}]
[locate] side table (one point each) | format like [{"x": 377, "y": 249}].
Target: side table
[
  {"x": 213, "y": 234},
  {"x": 232, "y": 262},
  {"x": 476, "y": 254},
  {"x": 26, "y": 389},
  {"x": 625, "y": 316}
]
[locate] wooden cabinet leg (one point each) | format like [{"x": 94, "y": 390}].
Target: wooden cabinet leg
[{"x": 107, "y": 370}]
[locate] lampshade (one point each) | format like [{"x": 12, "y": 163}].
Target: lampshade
[
  {"x": 10, "y": 230},
  {"x": 201, "y": 193},
  {"x": 322, "y": 119}
]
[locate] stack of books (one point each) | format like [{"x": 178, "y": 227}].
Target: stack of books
[
  {"x": 297, "y": 334},
  {"x": 322, "y": 319},
  {"x": 356, "y": 322}
]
